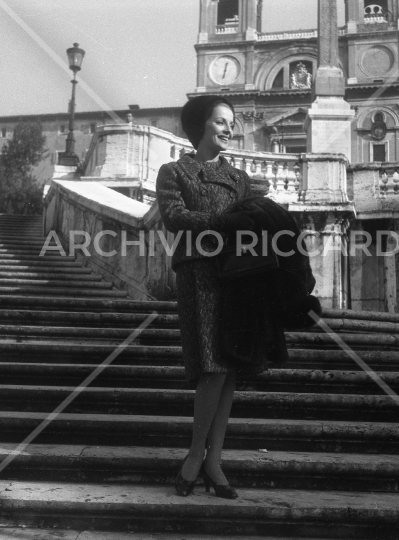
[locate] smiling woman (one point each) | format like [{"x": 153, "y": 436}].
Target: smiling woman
[{"x": 192, "y": 194}]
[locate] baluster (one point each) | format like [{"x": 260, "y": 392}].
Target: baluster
[
  {"x": 248, "y": 167},
  {"x": 258, "y": 168},
  {"x": 395, "y": 179},
  {"x": 298, "y": 176},
  {"x": 280, "y": 177},
  {"x": 383, "y": 184},
  {"x": 390, "y": 187},
  {"x": 291, "y": 181},
  {"x": 238, "y": 163},
  {"x": 270, "y": 177}
]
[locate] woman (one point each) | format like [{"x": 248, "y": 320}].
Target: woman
[{"x": 192, "y": 193}]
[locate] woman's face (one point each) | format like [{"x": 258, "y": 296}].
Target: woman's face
[{"x": 218, "y": 129}]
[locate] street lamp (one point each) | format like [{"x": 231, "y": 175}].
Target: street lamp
[{"x": 75, "y": 59}]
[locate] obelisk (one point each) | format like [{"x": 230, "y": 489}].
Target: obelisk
[{"x": 328, "y": 124}]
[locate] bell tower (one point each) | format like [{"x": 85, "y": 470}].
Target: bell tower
[
  {"x": 362, "y": 14},
  {"x": 224, "y": 51},
  {"x": 372, "y": 28}
]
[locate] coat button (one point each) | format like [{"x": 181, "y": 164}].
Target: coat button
[
  {"x": 204, "y": 192},
  {"x": 233, "y": 194}
]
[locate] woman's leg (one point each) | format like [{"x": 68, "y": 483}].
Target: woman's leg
[
  {"x": 217, "y": 431},
  {"x": 206, "y": 404}
]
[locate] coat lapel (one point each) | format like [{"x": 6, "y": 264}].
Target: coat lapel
[{"x": 225, "y": 174}]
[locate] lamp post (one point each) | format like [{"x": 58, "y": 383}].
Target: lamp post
[{"x": 75, "y": 59}]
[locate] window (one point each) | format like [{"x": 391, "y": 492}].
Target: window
[
  {"x": 227, "y": 11},
  {"x": 379, "y": 152},
  {"x": 379, "y": 117},
  {"x": 92, "y": 128},
  {"x": 279, "y": 80},
  {"x": 4, "y": 132},
  {"x": 373, "y": 7},
  {"x": 61, "y": 129}
]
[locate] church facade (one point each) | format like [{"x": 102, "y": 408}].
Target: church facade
[{"x": 268, "y": 76}]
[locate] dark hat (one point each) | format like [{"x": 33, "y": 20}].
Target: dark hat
[{"x": 196, "y": 112}]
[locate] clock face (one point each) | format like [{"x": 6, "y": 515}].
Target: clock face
[{"x": 225, "y": 70}]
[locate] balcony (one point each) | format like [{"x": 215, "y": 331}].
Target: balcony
[{"x": 230, "y": 26}]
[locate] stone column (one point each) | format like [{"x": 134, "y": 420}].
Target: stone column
[{"x": 328, "y": 124}]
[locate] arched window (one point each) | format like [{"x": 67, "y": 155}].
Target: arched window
[
  {"x": 227, "y": 12},
  {"x": 379, "y": 117},
  {"x": 375, "y": 11},
  {"x": 279, "y": 80}
]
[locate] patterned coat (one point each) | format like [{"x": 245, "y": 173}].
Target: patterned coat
[{"x": 189, "y": 194}]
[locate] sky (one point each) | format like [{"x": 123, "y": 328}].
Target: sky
[{"x": 137, "y": 51}]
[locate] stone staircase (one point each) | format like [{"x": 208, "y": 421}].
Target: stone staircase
[{"x": 108, "y": 461}]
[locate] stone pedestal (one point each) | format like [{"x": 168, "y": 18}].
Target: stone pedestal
[
  {"x": 325, "y": 179},
  {"x": 328, "y": 126},
  {"x": 327, "y": 228}
]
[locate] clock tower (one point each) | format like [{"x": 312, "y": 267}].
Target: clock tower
[{"x": 225, "y": 48}]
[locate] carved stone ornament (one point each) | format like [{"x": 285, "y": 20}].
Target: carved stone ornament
[
  {"x": 301, "y": 78},
  {"x": 252, "y": 115}
]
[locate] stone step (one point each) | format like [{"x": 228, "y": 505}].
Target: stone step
[
  {"x": 84, "y": 304},
  {"x": 37, "y": 276},
  {"x": 244, "y": 468},
  {"x": 34, "y": 256},
  {"x": 65, "y": 265},
  {"x": 12, "y": 233},
  {"x": 91, "y": 351},
  {"x": 17, "y": 270},
  {"x": 47, "y": 290},
  {"x": 172, "y": 377},
  {"x": 60, "y": 273},
  {"x": 140, "y": 401},
  {"x": 23, "y": 533},
  {"x": 380, "y": 341},
  {"x": 56, "y": 282},
  {"x": 112, "y": 334},
  {"x": 84, "y": 318},
  {"x": 7, "y": 242},
  {"x": 361, "y": 315},
  {"x": 29, "y": 250},
  {"x": 158, "y": 509},
  {"x": 175, "y": 431}
]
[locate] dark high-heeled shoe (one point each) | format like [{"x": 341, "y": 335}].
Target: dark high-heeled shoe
[
  {"x": 225, "y": 492},
  {"x": 184, "y": 487}
]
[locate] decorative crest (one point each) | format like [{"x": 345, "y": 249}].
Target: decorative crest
[{"x": 301, "y": 78}]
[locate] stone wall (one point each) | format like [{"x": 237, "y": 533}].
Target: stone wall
[{"x": 112, "y": 221}]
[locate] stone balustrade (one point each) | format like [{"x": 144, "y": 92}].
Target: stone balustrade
[
  {"x": 222, "y": 29},
  {"x": 295, "y": 34},
  {"x": 375, "y": 189},
  {"x": 135, "y": 153},
  {"x": 375, "y": 18},
  {"x": 389, "y": 181},
  {"x": 279, "y": 176}
]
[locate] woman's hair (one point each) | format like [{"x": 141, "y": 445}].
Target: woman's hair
[{"x": 196, "y": 112}]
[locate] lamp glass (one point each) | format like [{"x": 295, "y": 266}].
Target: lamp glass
[{"x": 75, "y": 57}]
